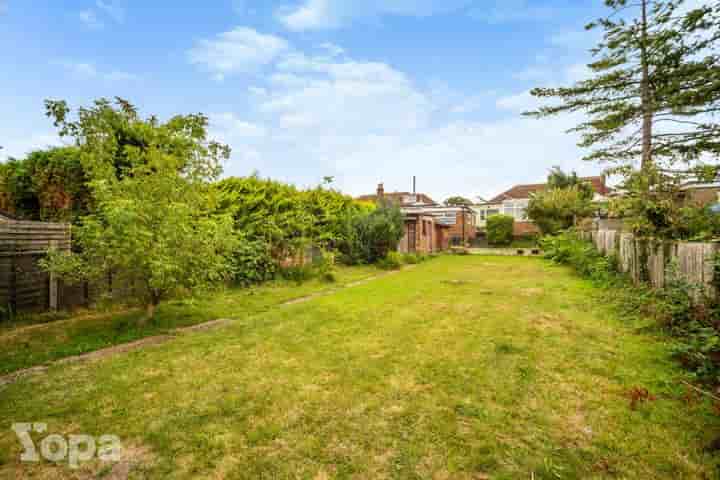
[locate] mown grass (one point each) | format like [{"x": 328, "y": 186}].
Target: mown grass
[
  {"x": 461, "y": 368},
  {"x": 23, "y": 346}
]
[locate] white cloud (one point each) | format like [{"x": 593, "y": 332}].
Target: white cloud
[
  {"x": 86, "y": 70},
  {"x": 111, "y": 9},
  {"x": 520, "y": 102},
  {"x": 94, "y": 18},
  {"x": 90, "y": 19},
  {"x": 228, "y": 125},
  {"x": 328, "y": 14},
  {"x": 332, "y": 49},
  {"x": 365, "y": 122},
  {"x": 344, "y": 98},
  {"x": 240, "y": 50},
  {"x": 19, "y": 145}
]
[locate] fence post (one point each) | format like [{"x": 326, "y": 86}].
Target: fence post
[
  {"x": 12, "y": 287},
  {"x": 53, "y": 287}
]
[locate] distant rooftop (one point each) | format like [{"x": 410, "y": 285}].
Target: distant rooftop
[
  {"x": 519, "y": 192},
  {"x": 403, "y": 199}
]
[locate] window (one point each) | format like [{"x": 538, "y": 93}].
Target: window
[
  {"x": 516, "y": 209},
  {"x": 424, "y": 228}
]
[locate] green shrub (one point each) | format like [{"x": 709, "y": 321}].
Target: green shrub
[
  {"x": 392, "y": 261},
  {"x": 500, "y": 229},
  {"x": 298, "y": 273},
  {"x": 411, "y": 258},
  {"x": 372, "y": 235},
  {"x": 698, "y": 349},
  {"x": 253, "y": 262},
  {"x": 557, "y": 209},
  {"x": 324, "y": 265}
]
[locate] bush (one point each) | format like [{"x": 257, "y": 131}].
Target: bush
[
  {"x": 298, "y": 273},
  {"x": 253, "y": 262},
  {"x": 500, "y": 229},
  {"x": 411, "y": 259},
  {"x": 557, "y": 209},
  {"x": 372, "y": 235},
  {"x": 392, "y": 261},
  {"x": 324, "y": 266}
]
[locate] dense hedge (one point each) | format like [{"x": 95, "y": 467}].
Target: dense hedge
[
  {"x": 277, "y": 221},
  {"x": 500, "y": 229},
  {"x": 46, "y": 185}
]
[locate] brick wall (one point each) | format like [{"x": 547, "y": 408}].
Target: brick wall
[
  {"x": 425, "y": 233},
  {"x": 521, "y": 229},
  {"x": 456, "y": 231}
]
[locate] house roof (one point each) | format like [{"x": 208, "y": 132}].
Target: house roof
[
  {"x": 523, "y": 191},
  {"x": 400, "y": 198}
]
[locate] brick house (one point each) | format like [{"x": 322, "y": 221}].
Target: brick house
[
  {"x": 700, "y": 194},
  {"x": 514, "y": 202},
  {"x": 429, "y": 226},
  {"x": 403, "y": 199}
]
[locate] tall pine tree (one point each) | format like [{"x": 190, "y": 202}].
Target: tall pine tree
[{"x": 655, "y": 79}]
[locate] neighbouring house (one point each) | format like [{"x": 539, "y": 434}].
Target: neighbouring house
[
  {"x": 701, "y": 194},
  {"x": 514, "y": 203},
  {"x": 403, "y": 199},
  {"x": 429, "y": 226}
]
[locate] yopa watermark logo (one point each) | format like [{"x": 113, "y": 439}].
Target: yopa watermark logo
[{"x": 74, "y": 449}]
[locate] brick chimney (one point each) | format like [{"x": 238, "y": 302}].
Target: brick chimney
[{"x": 380, "y": 191}]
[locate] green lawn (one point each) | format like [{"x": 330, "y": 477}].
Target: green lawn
[
  {"x": 461, "y": 368},
  {"x": 23, "y": 347}
]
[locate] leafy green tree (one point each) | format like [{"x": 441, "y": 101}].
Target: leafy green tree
[
  {"x": 154, "y": 220},
  {"x": 48, "y": 185},
  {"x": 558, "y": 209},
  {"x": 458, "y": 201},
  {"x": 500, "y": 229}
]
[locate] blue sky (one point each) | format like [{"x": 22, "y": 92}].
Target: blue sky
[{"x": 366, "y": 91}]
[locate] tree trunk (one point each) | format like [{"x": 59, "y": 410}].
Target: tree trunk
[
  {"x": 150, "y": 308},
  {"x": 150, "y": 311},
  {"x": 646, "y": 97}
]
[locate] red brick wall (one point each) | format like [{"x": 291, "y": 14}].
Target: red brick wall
[
  {"x": 521, "y": 229},
  {"x": 424, "y": 236},
  {"x": 457, "y": 229}
]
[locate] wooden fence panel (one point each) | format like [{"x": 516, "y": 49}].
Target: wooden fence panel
[
  {"x": 647, "y": 260},
  {"x": 24, "y": 286}
]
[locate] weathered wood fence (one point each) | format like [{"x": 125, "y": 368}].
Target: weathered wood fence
[
  {"x": 24, "y": 286},
  {"x": 647, "y": 260}
]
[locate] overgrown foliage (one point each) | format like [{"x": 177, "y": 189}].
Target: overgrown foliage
[
  {"x": 679, "y": 308},
  {"x": 370, "y": 237},
  {"x": 500, "y": 229},
  {"x": 47, "y": 185},
  {"x": 559, "y": 208},
  {"x": 285, "y": 217},
  {"x": 154, "y": 219}
]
